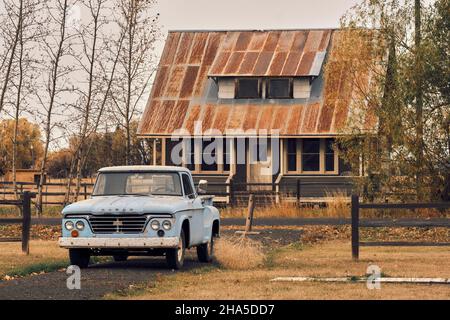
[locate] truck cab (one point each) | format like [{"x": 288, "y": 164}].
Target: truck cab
[{"x": 141, "y": 211}]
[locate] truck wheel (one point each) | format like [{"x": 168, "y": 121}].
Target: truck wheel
[
  {"x": 120, "y": 258},
  {"x": 79, "y": 257},
  {"x": 205, "y": 252},
  {"x": 175, "y": 257}
]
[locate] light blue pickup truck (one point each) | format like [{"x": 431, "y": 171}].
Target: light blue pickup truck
[{"x": 141, "y": 211}]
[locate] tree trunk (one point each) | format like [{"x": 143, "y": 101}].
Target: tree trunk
[
  {"x": 17, "y": 114},
  {"x": 419, "y": 101}
]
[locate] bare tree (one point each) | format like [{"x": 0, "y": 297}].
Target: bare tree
[
  {"x": 136, "y": 64},
  {"x": 12, "y": 28},
  {"x": 56, "y": 47},
  {"x": 91, "y": 92},
  {"x": 108, "y": 74},
  {"x": 28, "y": 35}
]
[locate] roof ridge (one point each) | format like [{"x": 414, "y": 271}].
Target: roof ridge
[{"x": 250, "y": 30}]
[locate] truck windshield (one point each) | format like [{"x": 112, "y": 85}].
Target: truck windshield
[{"x": 142, "y": 183}]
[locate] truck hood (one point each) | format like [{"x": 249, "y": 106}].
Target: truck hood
[{"x": 127, "y": 205}]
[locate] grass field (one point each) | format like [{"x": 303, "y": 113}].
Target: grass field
[
  {"x": 326, "y": 259},
  {"x": 44, "y": 256}
]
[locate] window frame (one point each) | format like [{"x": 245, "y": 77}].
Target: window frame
[
  {"x": 291, "y": 88},
  {"x": 236, "y": 88},
  {"x": 193, "y": 195},
  {"x": 299, "y": 166},
  {"x": 198, "y": 156}
]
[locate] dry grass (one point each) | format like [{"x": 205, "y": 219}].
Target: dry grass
[
  {"x": 338, "y": 208},
  {"x": 239, "y": 253},
  {"x": 326, "y": 259},
  {"x": 282, "y": 210},
  {"x": 44, "y": 255}
]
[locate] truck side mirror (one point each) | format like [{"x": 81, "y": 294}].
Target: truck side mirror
[{"x": 202, "y": 187}]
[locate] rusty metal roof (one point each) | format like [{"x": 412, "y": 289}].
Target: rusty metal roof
[
  {"x": 271, "y": 53},
  {"x": 183, "y": 93}
]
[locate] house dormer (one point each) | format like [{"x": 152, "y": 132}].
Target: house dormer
[
  {"x": 283, "y": 66},
  {"x": 264, "y": 88}
]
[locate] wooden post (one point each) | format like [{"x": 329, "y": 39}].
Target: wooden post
[
  {"x": 251, "y": 209},
  {"x": 26, "y": 221},
  {"x": 85, "y": 191},
  {"x": 298, "y": 192},
  {"x": 355, "y": 227},
  {"x": 232, "y": 192}
]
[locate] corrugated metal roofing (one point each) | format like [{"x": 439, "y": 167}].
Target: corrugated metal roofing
[
  {"x": 272, "y": 53},
  {"x": 183, "y": 94}
]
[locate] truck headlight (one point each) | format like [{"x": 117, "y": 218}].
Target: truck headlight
[
  {"x": 155, "y": 224},
  {"x": 69, "y": 225},
  {"x": 80, "y": 225},
  {"x": 166, "y": 225}
]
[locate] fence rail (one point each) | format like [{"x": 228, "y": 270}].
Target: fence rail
[
  {"x": 25, "y": 220},
  {"x": 7, "y": 190},
  {"x": 355, "y": 212},
  {"x": 231, "y": 193}
]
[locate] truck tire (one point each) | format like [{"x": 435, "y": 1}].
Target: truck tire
[
  {"x": 79, "y": 257},
  {"x": 175, "y": 257},
  {"x": 205, "y": 251},
  {"x": 120, "y": 258}
]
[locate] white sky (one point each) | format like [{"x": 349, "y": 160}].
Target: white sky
[{"x": 251, "y": 14}]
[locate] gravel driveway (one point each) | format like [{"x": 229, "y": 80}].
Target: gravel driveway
[
  {"x": 101, "y": 279},
  {"x": 96, "y": 281}
]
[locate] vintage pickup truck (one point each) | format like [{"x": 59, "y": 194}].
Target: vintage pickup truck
[{"x": 141, "y": 210}]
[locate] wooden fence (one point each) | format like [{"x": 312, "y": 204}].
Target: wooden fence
[
  {"x": 230, "y": 193},
  {"x": 53, "y": 192},
  {"x": 25, "y": 220},
  {"x": 355, "y": 211}
]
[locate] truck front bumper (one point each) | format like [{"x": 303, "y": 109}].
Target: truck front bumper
[{"x": 125, "y": 243}]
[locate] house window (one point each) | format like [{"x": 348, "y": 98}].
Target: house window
[
  {"x": 279, "y": 89},
  {"x": 248, "y": 88},
  {"x": 292, "y": 154},
  {"x": 311, "y": 155},
  {"x": 209, "y": 155},
  {"x": 190, "y": 155},
  {"x": 329, "y": 155}
]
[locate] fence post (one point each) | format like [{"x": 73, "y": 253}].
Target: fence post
[
  {"x": 298, "y": 192},
  {"x": 251, "y": 209},
  {"x": 85, "y": 192},
  {"x": 355, "y": 227},
  {"x": 232, "y": 192},
  {"x": 26, "y": 221}
]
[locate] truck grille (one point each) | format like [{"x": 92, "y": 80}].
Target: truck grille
[{"x": 118, "y": 224}]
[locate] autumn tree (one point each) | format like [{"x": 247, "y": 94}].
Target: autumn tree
[
  {"x": 29, "y": 146},
  {"x": 402, "y": 49}
]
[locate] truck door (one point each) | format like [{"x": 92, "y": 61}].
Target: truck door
[{"x": 196, "y": 212}]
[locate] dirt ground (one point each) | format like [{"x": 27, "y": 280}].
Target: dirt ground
[
  {"x": 328, "y": 259},
  {"x": 318, "y": 251}
]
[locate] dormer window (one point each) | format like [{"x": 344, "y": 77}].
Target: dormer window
[
  {"x": 279, "y": 89},
  {"x": 248, "y": 88},
  {"x": 264, "y": 88}
]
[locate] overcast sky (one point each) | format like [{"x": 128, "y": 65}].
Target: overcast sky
[{"x": 251, "y": 14}]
